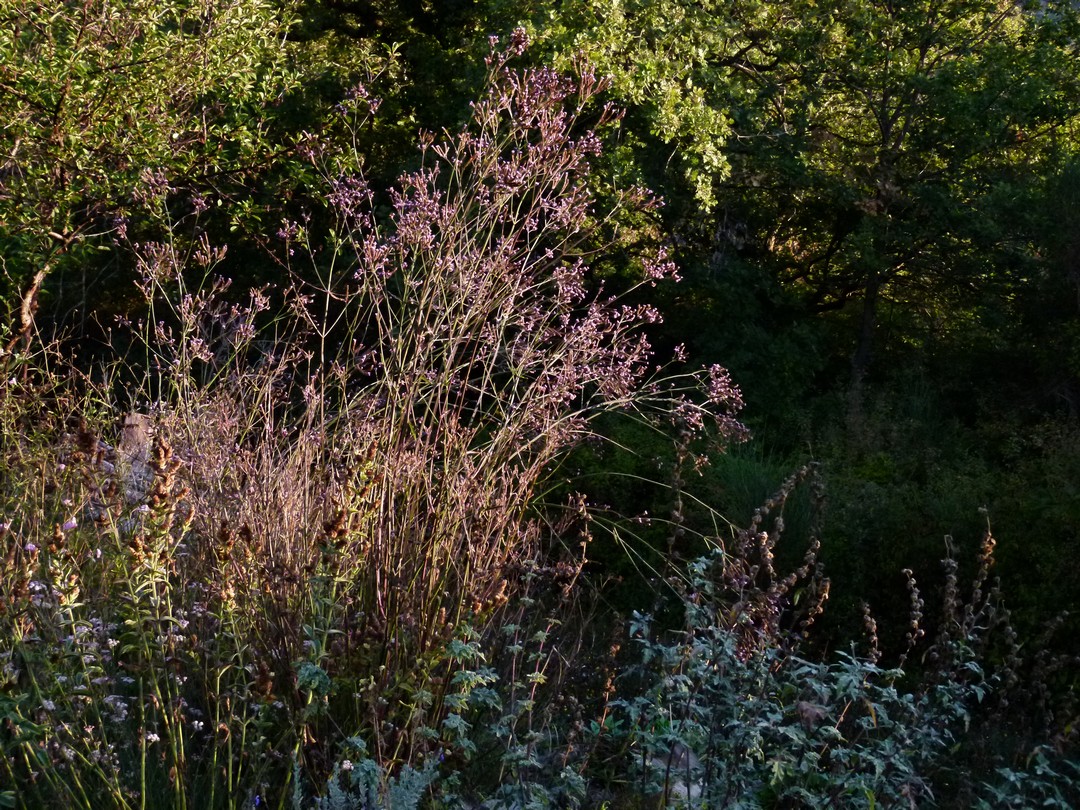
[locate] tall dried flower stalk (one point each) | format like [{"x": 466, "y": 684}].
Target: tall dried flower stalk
[
  {"x": 475, "y": 350},
  {"x": 382, "y": 449}
]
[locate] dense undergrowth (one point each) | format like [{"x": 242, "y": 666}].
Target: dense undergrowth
[{"x": 316, "y": 546}]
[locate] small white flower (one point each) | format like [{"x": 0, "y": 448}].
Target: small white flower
[
  {"x": 152, "y": 738},
  {"x": 48, "y": 705},
  {"x": 346, "y": 765}
]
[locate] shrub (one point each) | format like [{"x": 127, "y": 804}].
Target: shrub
[
  {"x": 728, "y": 712},
  {"x": 104, "y": 101}
]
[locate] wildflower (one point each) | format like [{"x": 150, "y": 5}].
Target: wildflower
[
  {"x": 346, "y": 765},
  {"x": 118, "y": 708},
  {"x": 71, "y": 524},
  {"x": 31, "y": 548},
  {"x": 48, "y": 705},
  {"x": 660, "y": 267},
  {"x": 152, "y": 738}
]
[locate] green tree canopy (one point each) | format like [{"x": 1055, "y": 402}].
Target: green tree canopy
[
  {"x": 108, "y": 104},
  {"x": 864, "y": 150}
]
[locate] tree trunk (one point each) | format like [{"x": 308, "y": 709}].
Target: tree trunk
[{"x": 860, "y": 361}]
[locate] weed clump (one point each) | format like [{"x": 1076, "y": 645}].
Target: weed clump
[{"x": 325, "y": 494}]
